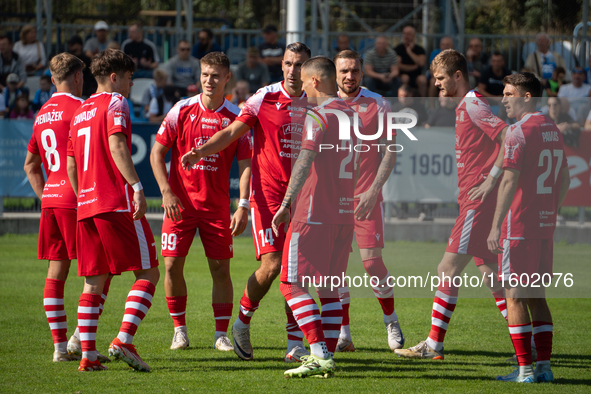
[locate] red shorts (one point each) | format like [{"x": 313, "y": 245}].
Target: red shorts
[
  {"x": 265, "y": 240},
  {"x": 215, "y": 235},
  {"x": 316, "y": 251},
  {"x": 525, "y": 256},
  {"x": 370, "y": 233},
  {"x": 57, "y": 234},
  {"x": 113, "y": 243},
  {"x": 472, "y": 228}
]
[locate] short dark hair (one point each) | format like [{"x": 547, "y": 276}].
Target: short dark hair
[
  {"x": 450, "y": 61},
  {"x": 216, "y": 59},
  {"x": 497, "y": 53},
  {"x": 111, "y": 61},
  {"x": 63, "y": 65},
  {"x": 181, "y": 41},
  {"x": 75, "y": 39},
  {"x": 348, "y": 54},
  {"x": 46, "y": 78},
  {"x": 298, "y": 47},
  {"x": 207, "y": 31},
  {"x": 525, "y": 82},
  {"x": 321, "y": 65},
  {"x": 7, "y": 37}
]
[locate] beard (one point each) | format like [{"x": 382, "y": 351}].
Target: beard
[{"x": 349, "y": 90}]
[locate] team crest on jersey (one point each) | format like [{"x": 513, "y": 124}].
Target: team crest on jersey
[
  {"x": 278, "y": 105},
  {"x": 292, "y": 128},
  {"x": 510, "y": 151},
  {"x": 225, "y": 123},
  {"x": 192, "y": 117}
]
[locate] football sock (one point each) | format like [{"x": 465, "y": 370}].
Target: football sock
[
  {"x": 139, "y": 301},
  {"x": 501, "y": 303},
  {"x": 247, "y": 309},
  {"x": 331, "y": 316},
  {"x": 295, "y": 336},
  {"x": 177, "y": 307},
  {"x": 306, "y": 313},
  {"x": 345, "y": 299},
  {"x": 222, "y": 314},
  {"x": 542, "y": 332},
  {"x": 320, "y": 350},
  {"x": 104, "y": 295},
  {"x": 88, "y": 314},
  {"x": 383, "y": 292},
  {"x": 521, "y": 338},
  {"x": 53, "y": 303},
  {"x": 444, "y": 304}
]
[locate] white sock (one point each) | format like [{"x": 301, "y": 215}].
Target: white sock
[
  {"x": 434, "y": 345},
  {"x": 526, "y": 370},
  {"x": 125, "y": 337},
  {"x": 543, "y": 365},
  {"x": 61, "y": 347},
  {"x": 91, "y": 356},
  {"x": 320, "y": 350},
  {"x": 220, "y": 334},
  {"x": 291, "y": 344},
  {"x": 390, "y": 318},
  {"x": 76, "y": 333},
  {"x": 181, "y": 328},
  {"x": 240, "y": 325},
  {"x": 345, "y": 332}
]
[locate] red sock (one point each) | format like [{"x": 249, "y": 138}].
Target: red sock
[
  {"x": 139, "y": 301},
  {"x": 222, "y": 313},
  {"x": 104, "y": 296},
  {"x": 345, "y": 298},
  {"x": 383, "y": 292},
  {"x": 332, "y": 317},
  {"x": 293, "y": 330},
  {"x": 542, "y": 332},
  {"x": 53, "y": 302},
  {"x": 247, "y": 308},
  {"x": 521, "y": 338},
  {"x": 177, "y": 306},
  {"x": 501, "y": 303},
  {"x": 305, "y": 311},
  {"x": 88, "y": 314},
  {"x": 444, "y": 304}
]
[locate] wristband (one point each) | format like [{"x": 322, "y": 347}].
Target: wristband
[
  {"x": 137, "y": 187},
  {"x": 244, "y": 203},
  {"x": 285, "y": 204},
  {"x": 496, "y": 172}
]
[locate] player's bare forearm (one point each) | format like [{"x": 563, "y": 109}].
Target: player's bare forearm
[
  {"x": 501, "y": 140},
  {"x": 385, "y": 169},
  {"x": 122, "y": 158},
  {"x": 507, "y": 190},
  {"x": 73, "y": 173},
  {"x": 159, "y": 166},
  {"x": 223, "y": 138},
  {"x": 35, "y": 173},
  {"x": 244, "y": 171},
  {"x": 564, "y": 185},
  {"x": 299, "y": 174}
]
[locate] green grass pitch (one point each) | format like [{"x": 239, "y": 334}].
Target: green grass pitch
[{"x": 477, "y": 343}]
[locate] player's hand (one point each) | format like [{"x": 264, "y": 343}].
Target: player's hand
[
  {"x": 191, "y": 158},
  {"x": 139, "y": 202},
  {"x": 239, "y": 221},
  {"x": 282, "y": 216},
  {"x": 367, "y": 202},
  {"x": 493, "y": 241},
  {"x": 483, "y": 189},
  {"x": 172, "y": 206}
]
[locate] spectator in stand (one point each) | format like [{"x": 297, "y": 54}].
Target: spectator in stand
[
  {"x": 31, "y": 51},
  {"x": 577, "y": 93},
  {"x": 491, "y": 78},
  {"x": 240, "y": 93},
  {"x": 10, "y": 63},
  {"x": 183, "y": 69},
  {"x": 444, "y": 115},
  {"x": 412, "y": 59},
  {"x": 155, "y": 89},
  {"x": 343, "y": 43},
  {"x": 381, "y": 68},
  {"x": 46, "y": 89},
  {"x": 253, "y": 70},
  {"x": 409, "y": 102},
  {"x": 445, "y": 43},
  {"x": 543, "y": 62},
  {"x": 11, "y": 92},
  {"x": 139, "y": 49},
  {"x": 477, "y": 61},
  {"x": 192, "y": 90},
  {"x": 205, "y": 44},
  {"x": 569, "y": 128},
  {"x": 75, "y": 48},
  {"x": 22, "y": 110},
  {"x": 553, "y": 84},
  {"x": 100, "y": 41},
  {"x": 159, "y": 106},
  {"x": 272, "y": 52}
]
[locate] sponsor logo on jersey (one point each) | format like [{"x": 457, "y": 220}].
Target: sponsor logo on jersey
[
  {"x": 119, "y": 118},
  {"x": 213, "y": 121},
  {"x": 492, "y": 120},
  {"x": 292, "y": 128},
  {"x": 457, "y": 140},
  {"x": 49, "y": 117},
  {"x": 192, "y": 117}
]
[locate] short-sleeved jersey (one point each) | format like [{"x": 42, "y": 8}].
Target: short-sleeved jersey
[
  {"x": 101, "y": 187},
  {"x": 327, "y": 194},
  {"x": 189, "y": 125},
  {"x": 370, "y": 106},
  {"x": 277, "y": 137},
  {"x": 50, "y": 141},
  {"x": 534, "y": 146},
  {"x": 476, "y": 149}
]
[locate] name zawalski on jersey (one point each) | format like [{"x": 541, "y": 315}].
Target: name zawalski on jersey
[
  {"x": 49, "y": 117},
  {"x": 83, "y": 116}
]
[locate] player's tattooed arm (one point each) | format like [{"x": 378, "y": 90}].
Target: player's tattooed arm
[
  {"x": 299, "y": 174},
  {"x": 72, "y": 173},
  {"x": 368, "y": 199},
  {"x": 507, "y": 190},
  {"x": 35, "y": 173},
  {"x": 483, "y": 190}
]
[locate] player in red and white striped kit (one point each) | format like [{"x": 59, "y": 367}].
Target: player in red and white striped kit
[
  {"x": 375, "y": 168},
  {"x": 199, "y": 198},
  {"x": 113, "y": 234},
  {"x": 276, "y": 131},
  {"x": 479, "y": 137},
  {"x": 57, "y": 230},
  {"x": 534, "y": 185}
]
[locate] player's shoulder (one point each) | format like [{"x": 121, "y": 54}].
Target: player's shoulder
[
  {"x": 228, "y": 108},
  {"x": 274, "y": 89},
  {"x": 363, "y": 92}
]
